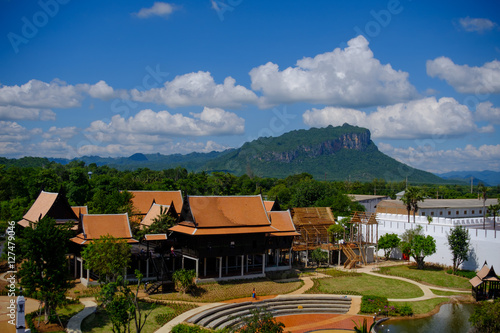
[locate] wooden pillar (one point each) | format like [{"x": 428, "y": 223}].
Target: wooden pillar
[
  {"x": 263, "y": 263},
  {"x": 220, "y": 267},
  {"x": 242, "y": 265},
  {"x": 205, "y": 266}
]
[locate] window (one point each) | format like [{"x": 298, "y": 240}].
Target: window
[
  {"x": 423, "y": 213},
  {"x": 480, "y": 211},
  {"x": 432, "y": 213},
  {"x": 465, "y": 212},
  {"x": 472, "y": 212},
  {"x": 449, "y": 212},
  {"x": 441, "y": 213},
  {"x": 458, "y": 212}
]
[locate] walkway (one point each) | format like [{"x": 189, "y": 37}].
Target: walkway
[
  {"x": 293, "y": 323},
  {"x": 74, "y": 324}
]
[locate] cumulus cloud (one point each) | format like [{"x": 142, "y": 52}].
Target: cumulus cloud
[
  {"x": 486, "y": 112},
  {"x": 10, "y": 131},
  {"x": 64, "y": 133},
  {"x": 39, "y": 94},
  {"x": 343, "y": 77},
  {"x": 465, "y": 79},
  {"x": 422, "y": 118},
  {"x": 101, "y": 90},
  {"x": 485, "y": 157},
  {"x": 197, "y": 89},
  {"x": 476, "y": 24},
  {"x": 150, "y": 127},
  {"x": 161, "y": 9},
  {"x": 11, "y": 112}
]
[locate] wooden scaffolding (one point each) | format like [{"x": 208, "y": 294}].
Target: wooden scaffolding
[{"x": 361, "y": 235}]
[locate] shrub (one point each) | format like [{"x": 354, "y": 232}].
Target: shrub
[
  {"x": 462, "y": 273},
  {"x": 372, "y": 304}
]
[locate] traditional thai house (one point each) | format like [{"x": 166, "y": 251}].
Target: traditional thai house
[
  {"x": 142, "y": 201},
  {"x": 227, "y": 237},
  {"x": 93, "y": 227},
  {"x": 486, "y": 284},
  {"x": 155, "y": 212}
]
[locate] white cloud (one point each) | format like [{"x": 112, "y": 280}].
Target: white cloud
[
  {"x": 465, "y": 79},
  {"x": 11, "y": 112},
  {"x": 485, "y": 111},
  {"x": 485, "y": 157},
  {"x": 197, "y": 89},
  {"x": 101, "y": 90},
  {"x": 422, "y": 118},
  {"x": 11, "y": 131},
  {"x": 38, "y": 94},
  {"x": 60, "y": 132},
  {"x": 343, "y": 77},
  {"x": 476, "y": 24},
  {"x": 150, "y": 127},
  {"x": 161, "y": 9}
]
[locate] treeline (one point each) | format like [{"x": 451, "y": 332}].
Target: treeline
[{"x": 101, "y": 187}]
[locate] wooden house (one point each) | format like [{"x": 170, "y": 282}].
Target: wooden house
[{"x": 227, "y": 237}]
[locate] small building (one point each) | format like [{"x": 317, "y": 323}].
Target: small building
[
  {"x": 142, "y": 201},
  {"x": 93, "y": 227},
  {"x": 53, "y": 205},
  {"x": 370, "y": 202},
  {"x": 157, "y": 210},
  {"x": 446, "y": 208},
  {"x": 228, "y": 237},
  {"x": 486, "y": 284}
]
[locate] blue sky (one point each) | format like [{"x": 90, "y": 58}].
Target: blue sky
[{"x": 113, "y": 78}]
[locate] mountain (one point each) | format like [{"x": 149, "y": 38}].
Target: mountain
[
  {"x": 487, "y": 177},
  {"x": 331, "y": 153}
]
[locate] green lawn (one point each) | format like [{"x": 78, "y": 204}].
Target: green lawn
[
  {"x": 446, "y": 293},
  {"x": 365, "y": 284},
  {"x": 432, "y": 275},
  {"x": 99, "y": 322},
  {"x": 426, "y": 306},
  {"x": 216, "y": 292}
]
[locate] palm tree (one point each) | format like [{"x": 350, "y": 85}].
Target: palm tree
[
  {"x": 483, "y": 189},
  {"x": 411, "y": 199}
]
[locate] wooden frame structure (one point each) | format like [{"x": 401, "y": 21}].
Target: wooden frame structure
[
  {"x": 486, "y": 284},
  {"x": 312, "y": 223},
  {"x": 361, "y": 236}
]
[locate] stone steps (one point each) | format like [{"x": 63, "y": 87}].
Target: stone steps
[{"x": 231, "y": 314}]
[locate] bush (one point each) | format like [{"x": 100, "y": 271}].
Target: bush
[
  {"x": 463, "y": 273},
  {"x": 185, "y": 328},
  {"x": 380, "y": 305}
]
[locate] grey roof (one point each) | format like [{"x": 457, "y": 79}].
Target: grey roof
[
  {"x": 363, "y": 197},
  {"x": 455, "y": 203}
]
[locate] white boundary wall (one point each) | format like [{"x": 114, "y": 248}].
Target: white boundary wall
[{"x": 485, "y": 244}]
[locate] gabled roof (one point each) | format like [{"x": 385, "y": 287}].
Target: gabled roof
[
  {"x": 217, "y": 215},
  {"x": 487, "y": 274},
  {"x": 155, "y": 211},
  {"x": 282, "y": 221},
  {"x": 312, "y": 216},
  {"x": 80, "y": 210},
  {"x": 143, "y": 200},
  {"x": 49, "y": 204},
  {"x": 272, "y": 205},
  {"x": 95, "y": 226}
]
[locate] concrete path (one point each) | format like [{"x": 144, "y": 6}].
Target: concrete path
[{"x": 75, "y": 322}]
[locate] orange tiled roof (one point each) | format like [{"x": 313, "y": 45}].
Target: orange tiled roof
[
  {"x": 155, "y": 237},
  {"x": 153, "y": 213},
  {"x": 142, "y": 200},
  {"x": 228, "y": 211},
  {"x": 95, "y": 226},
  {"x": 283, "y": 222},
  {"x": 41, "y": 206},
  {"x": 222, "y": 230},
  {"x": 269, "y": 205},
  {"x": 80, "y": 210}
]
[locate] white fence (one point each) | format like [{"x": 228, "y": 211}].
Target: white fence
[{"x": 485, "y": 244}]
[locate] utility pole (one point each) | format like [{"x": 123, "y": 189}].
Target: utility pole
[{"x": 471, "y": 183}]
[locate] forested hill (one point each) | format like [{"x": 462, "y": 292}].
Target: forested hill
[{"x": 332, "y": 153}]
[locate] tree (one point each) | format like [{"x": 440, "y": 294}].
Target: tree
[
  {"x": 459, "y": 244},
  {"x": 122, "y": 304},
  {"x": 485, "y": 317},
  {"x": 336, "y": 232},
  {"x": 319, "y": 256},
  {"x": 388, "y": 242},
  {"x": 493, "y": 210},
  {"x": 260, "y": 321},
  {"x": 107, "y": 257},
  {"x": 417, "y": 245},
  {"x": 411, "y": 198},
  {"x": 483, "y": 189},
  {"x": 44, "y": 272},
  {"x": 184, "y": 279}
]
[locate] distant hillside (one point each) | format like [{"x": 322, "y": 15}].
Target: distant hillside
[
  {"x": 490, "y": 178},
  {"x": 332, "y": 153}
]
